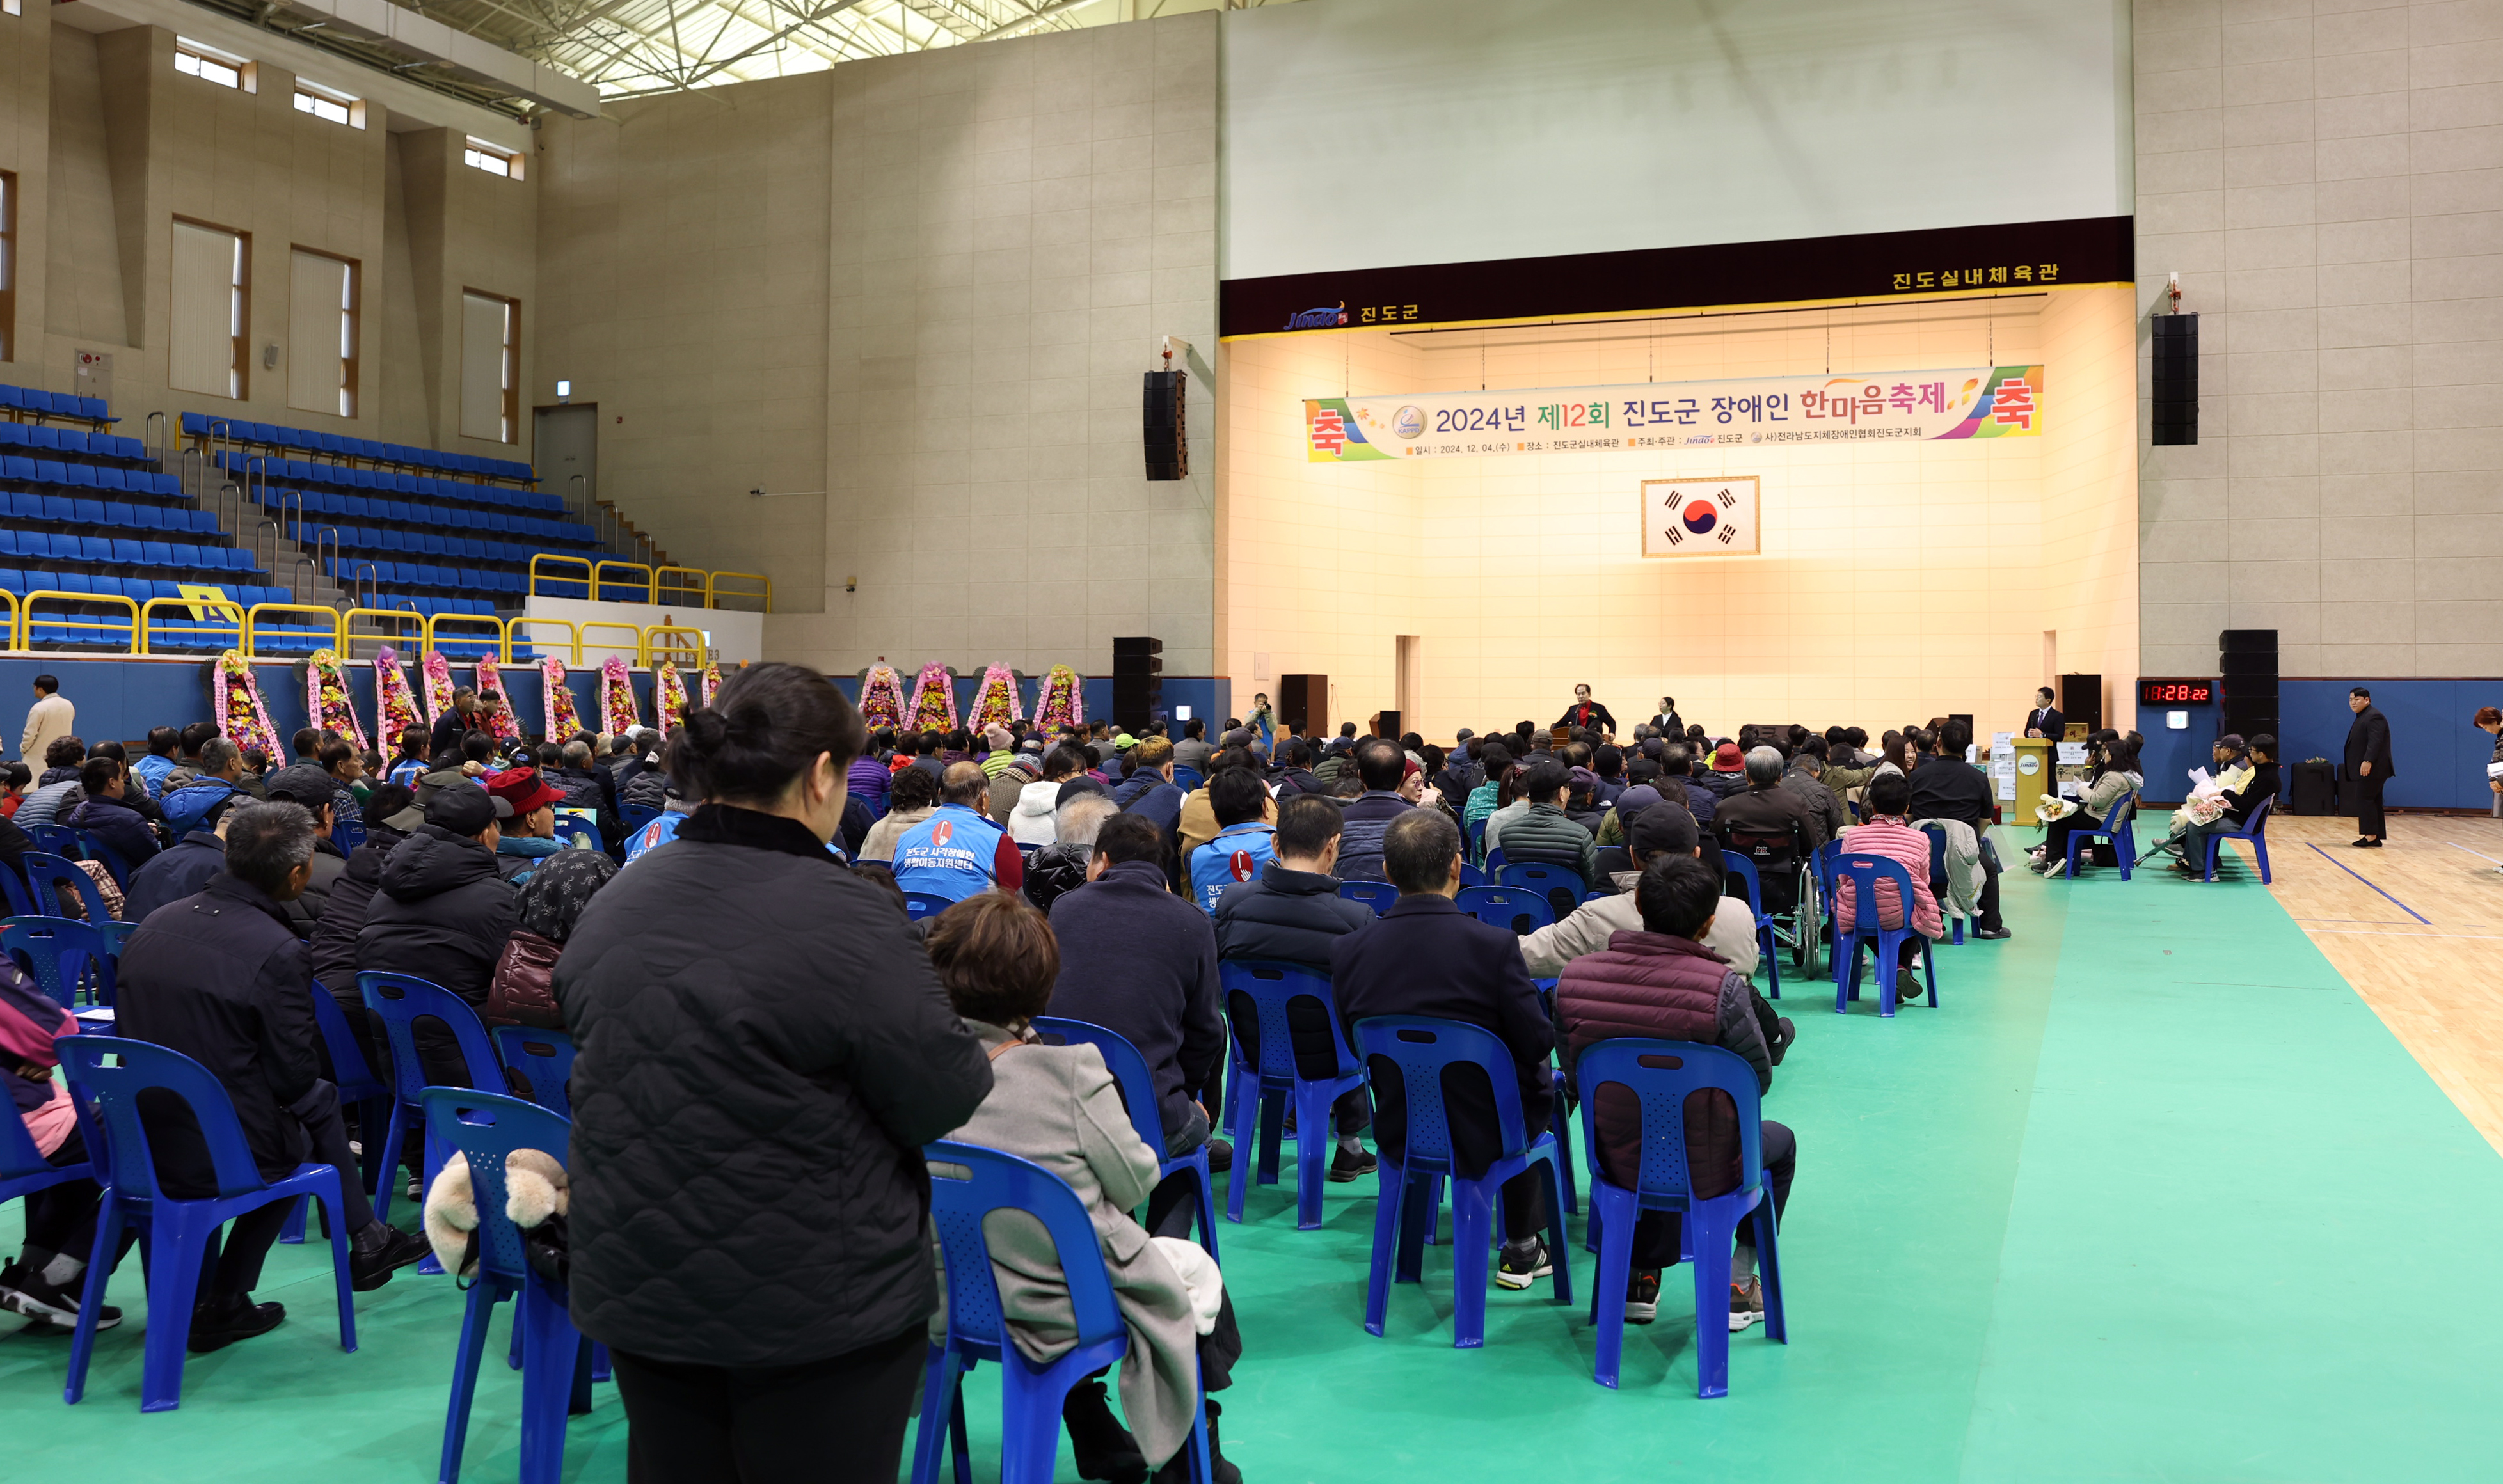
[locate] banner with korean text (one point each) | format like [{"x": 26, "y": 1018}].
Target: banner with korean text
[{"x": 1970, "y": 402}]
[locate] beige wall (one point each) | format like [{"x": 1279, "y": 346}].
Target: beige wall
[
  {"x": 1900, "y": 581},
  {"x": 2330, "y": 189}
]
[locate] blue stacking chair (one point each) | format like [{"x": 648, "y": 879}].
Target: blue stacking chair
[
  {"x": 176, "y": 1232},
  {"x": 1188, "y": 779},
  {"x": 636, "y": 815},
  {"x": 1268, "y": 1076},
  {"x": 1562, "y": 886},
  {"x": 2115, "y": 828},
  {"x": 47, "y": 873},
  {"x": 1471, "y": 875},
  {"x": 486, "y": 1128},
  {"x": 1938, "y": 875},
  {"x": 1661, "y": 1075},
  {"x": 360, "y": 1089},
  {"x": 21, "y": 902},
  {"x": 1494, "y": 861},
  {"x": 1515, "y": 909},
  {"x": 347, "y": 833},
  {"x": 574, "y": 827},
  {"x": 1864, "y": 872},
  {"x": 1138, "y": 1089},
  {"x": 1030, "y": 1393},
  {"x": 541, "y": 1059},
  {"x": 1421, "y": 1046},
  {"x": 1477, "y": 839},
  {"x": 60, "y": 953},
  {"x": 1768, "y": 947},
  {"x": 56, "y": 839},
  {"x": 1376, "y": 894},
  {"x": 92, "y": 848},
  {"x": 2254, "y": 830},
  {"x": 23, "y": 1169},
  {"x": 920, "y": 904},
  {"x": 402, "y": 1001}
]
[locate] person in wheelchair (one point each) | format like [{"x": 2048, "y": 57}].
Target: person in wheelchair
[{"x": 1768, "y": 825}]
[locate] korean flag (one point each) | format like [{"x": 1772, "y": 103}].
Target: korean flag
[{"x": 1701, "y": 518}]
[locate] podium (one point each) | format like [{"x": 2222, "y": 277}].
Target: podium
[{"x": 2036, "y": 774}]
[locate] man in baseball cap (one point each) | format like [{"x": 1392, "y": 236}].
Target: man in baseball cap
[
  {"x": 441, "y": 911},
  {"x": 525, "y": 814},
  {"x": 312, "y": 787}
]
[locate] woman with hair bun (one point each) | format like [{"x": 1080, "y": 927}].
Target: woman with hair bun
[{"x": 764, "y": 1050}]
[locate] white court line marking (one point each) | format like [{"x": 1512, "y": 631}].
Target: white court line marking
[
  {"x": 2482, "y": 937},
  {"x": 2479, "y": 854}
]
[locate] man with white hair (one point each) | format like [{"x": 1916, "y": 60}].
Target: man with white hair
[{"x": 1765, "y": 814}]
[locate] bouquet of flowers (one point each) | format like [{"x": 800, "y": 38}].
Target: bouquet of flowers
[
  {"x": 934, "y": 699},
  {"x": 997, "y": 703},
  {"x": 394, "y": 707},
  {"x": 882, "y": 701},
  {"x": 326, "y": 699},
  {"x": 235, "y": 698},
  {"x": 436, "y": 671},
  {"x": 617, "y": 709},
  {"x": 2053, "y": 807},
  {"x": 669, "y": 695},
  {"x": 1062, "y": 701},
  {"x": 504, "y": 726},
  {"x": 562, "y": 723},
  {"x": 710, "y": 680},
  {"x": 2203, "y": 808}
]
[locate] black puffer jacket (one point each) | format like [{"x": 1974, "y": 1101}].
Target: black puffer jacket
[
  {"x": 441, "y": 911},
  {"x": 334, "y": 942},
  {"x": 764, "y": 1051},
  {"x": 1052, "y": 871}
]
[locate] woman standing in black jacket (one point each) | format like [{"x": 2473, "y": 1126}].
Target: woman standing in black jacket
[{"x": 764, "y": 1050}]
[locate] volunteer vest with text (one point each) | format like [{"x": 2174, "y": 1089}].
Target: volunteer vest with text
[
  {"x": 948, "y": 855},
  {"x": 1237, "y": 853}
]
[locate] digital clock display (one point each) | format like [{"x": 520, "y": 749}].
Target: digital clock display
[{"x": 2175, "y": 693}]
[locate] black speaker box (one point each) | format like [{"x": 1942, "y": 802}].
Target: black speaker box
[
  {"x": 1161, "y": 430},
  {"x": 2246, "y": 641},
  {"x": 2174, "y": 380},
  {"x": 2232, "y": 667},
  {"x": 2081, "y": 700}
]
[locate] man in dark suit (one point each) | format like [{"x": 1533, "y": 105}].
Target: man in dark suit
[
  {"x": 1425, "y": 957},
  {"x": 1586, "y": 711},
  {"x": 2368, "y": 766},
  {"x": 2045, "y": 719}
]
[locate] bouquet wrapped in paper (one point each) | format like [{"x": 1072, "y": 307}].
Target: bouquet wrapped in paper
[
  {"x": 710, "y": 680},
  {"x": 2202, "y": 808},
  {"x": 326, "y": 699},
  {"x": 934, "y": 699},
  {"x": 881, "y": 697},
  {"x": 618, "y": 712},
  {"x": 562, "y": 723},
  {"x": 1062, "y": 701},
  {"x": 997, "y": 703},
  {"x": 2053, "y": 807},
  {"x": 436, "y": 672},
  {"x": 669, "y": 695},
  {"x": 395, "y": 705},
  {"x": 503, "y": 725},
  {"x": 235, "y": 698}
]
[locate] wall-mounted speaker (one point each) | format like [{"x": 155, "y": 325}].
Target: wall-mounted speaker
[
  {"x": 2176, "y": 379},
  {"x": 2081, "y": 700},
  {"x": 1161, "y": 430}
]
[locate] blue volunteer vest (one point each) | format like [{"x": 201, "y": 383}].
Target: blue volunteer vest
[
  {"x": 948, "y": 854},
  {"x": 663, "y": 830},
  {"x": 1237, "y": 853}
]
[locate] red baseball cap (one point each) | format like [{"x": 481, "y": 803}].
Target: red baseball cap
[{"x": 524, "y": 790}]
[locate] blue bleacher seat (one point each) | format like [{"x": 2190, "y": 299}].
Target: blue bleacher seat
[
  {"x": 18, "y": 466},
  {"x": 95, "y": 548},
  {"x": 147, "y": 517},
  {"x": 157, "y": 554},
  {"x": 126, "y": 553}
]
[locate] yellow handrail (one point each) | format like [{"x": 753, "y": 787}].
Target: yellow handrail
[
  {"x": 555, "y": 560},
  {"x": 27, "y": 617},
  {"x": 633, "y": 645},
  {"x": 146, "y": 610},
  {"x": 10, "y": 633},
  {"x": 396, "y": 639},
  {"x": 599, "y": 577},
  {"x": 503, "y": 639},
  {"x": 689, "y": 653},
  {"x": 692, "y": 592},
  {"x": 253, "y": 617},
  {"x": 513, "y": 635},
  {"x": 713, "y": 593}
]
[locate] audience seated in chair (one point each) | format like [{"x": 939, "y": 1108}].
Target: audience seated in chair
[
  {"x": 2259, "y": 783},
  {"x": 1660, "y": 981},
  {"x": 1659, "y": 832},
  {"x": 1013, "y": 767},
  {"x": 1381, "y": 768},
  {"x": 910, "y": 800},
  {"x": 1061, "y": 867},
  {"x": 1804, "y": 775},
  {"x": 441, "y": 911},
  {"x": 302, "y": 783},
  {"x": 1543, "y": 834},
  {"x": 40, "y": 1290},
  {"x": 1889, "y": 832},
  {"x": 1149, "y": 790},
  {"x": 1765, "y": 813},
  {"x": 1199, "y": 824},
  {"x": 1033, "y": 821},
  {"x": 1426, "y": 956},
  {"x": 106, "y": 812},
  {"x": 957, "y": 851},
  {"x": 2113, "y": 776},
  {"x": 1246, "y": 839},
  {"x": 1059, "y": 1107},
  {"x": 1945, "y": 787}
]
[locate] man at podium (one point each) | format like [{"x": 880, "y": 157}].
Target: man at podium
[{"x": 1586, "y": 711}]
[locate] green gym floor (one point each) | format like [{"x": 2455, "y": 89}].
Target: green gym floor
[{"x": 2154, "y": 1195}]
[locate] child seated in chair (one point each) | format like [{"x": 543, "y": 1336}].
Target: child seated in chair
[{"x": 1059, "y": 1107}]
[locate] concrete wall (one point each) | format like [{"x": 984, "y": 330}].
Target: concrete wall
[{"x": 2329, "y": 186}]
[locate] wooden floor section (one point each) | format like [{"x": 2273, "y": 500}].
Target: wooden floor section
[{"x": 2416, "y": 927}]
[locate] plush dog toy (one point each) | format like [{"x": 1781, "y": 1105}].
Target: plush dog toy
[{"x": 534, "y": 1189}]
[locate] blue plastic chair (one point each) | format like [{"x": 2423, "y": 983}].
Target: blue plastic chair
[
  {"x": 347, "y": 834},
  {"x": 1477, "y": 839},
  {"x": 1030, "y": 1395},
  {"x": 1562, "y": 886},
  {"x": 23, "y": 1169},
  {"x": 920, "y": 904},
  {"x": 1377, "y": 894},
  {"x": 542, "y": 1061},
  {"x": 1515, "y": 909},
  {"x": 1661, "y": 1075},
  {"x": 1188, "y": 779},
  {"x": 60, "y": 953},
  {"x": 174, "y": 1232},
  {"x": 1939, "y": 874},
  {"x": 47, "y": 873},
  {"x": 485, "y": 1128},
  {"x": 2115, "y": 828},
  {"x": 1410, "y": 1200},
  {"x": 636, "y": 816},
  {"x": 2254, "y": 830},
  {"x": 1138, "y": 1089},
  {"x": 1494, "y": 863},
  {"x": 21, "y": 901},
  {"x": 1768, "y": 948},
  {"x": 1472, "y": 876},
  {"x": 1862, "y": 873},
  {"x": 402, "y": 1001},
  {"x": 92, "y": 848},
  {"x": 55, "y": 839},
  {"x": 574, "y": 827},
  {"x": 1265, "y": 1063}
]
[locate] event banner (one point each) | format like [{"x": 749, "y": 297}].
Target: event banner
[{"x": 1971, "y": 402}]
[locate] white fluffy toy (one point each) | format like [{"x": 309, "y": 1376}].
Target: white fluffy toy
[{"x": 534, "y": 1189}]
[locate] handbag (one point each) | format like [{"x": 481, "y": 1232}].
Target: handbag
[{"x": 523, "y": 991}]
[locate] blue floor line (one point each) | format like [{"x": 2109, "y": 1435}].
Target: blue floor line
[{"x": 2359, "y": 876}]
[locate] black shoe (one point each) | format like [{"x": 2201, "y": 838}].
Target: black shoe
[
  {"x": 1177, "y": 1469},
  {"x": 1352, "y": 1165},
  {"x": 1105, "y": 1448},
  {"x": 381, "y": 1251},
  {"x": 1521, "y": 1268},
  {"x": 2368, "y": 845},
  {"x": 50, "y": 1308},
  {"x": 1992, "y": 934},
  {"x": 1221, "y": 1155},
  {"x": 221, "y": 1322},
  {"x": 1642, "y": 1295},
  {"x": 1784, "y": 1034}
]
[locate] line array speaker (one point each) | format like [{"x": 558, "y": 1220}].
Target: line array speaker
[
  {"x": 2246, "y": 669},
  {"x": 1138, "y": 681},
  {"x": 2176, "y": 379},
  {"x": 1160, "y": 425}
]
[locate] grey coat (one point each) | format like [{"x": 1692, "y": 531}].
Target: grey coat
[{"x": 1058, "y": 1107}]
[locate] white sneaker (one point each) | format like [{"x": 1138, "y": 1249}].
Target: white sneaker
[{"x": 1746, "y": 1304}]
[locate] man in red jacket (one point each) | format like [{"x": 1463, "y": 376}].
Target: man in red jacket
[{"x": 1663, "y": 983}]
